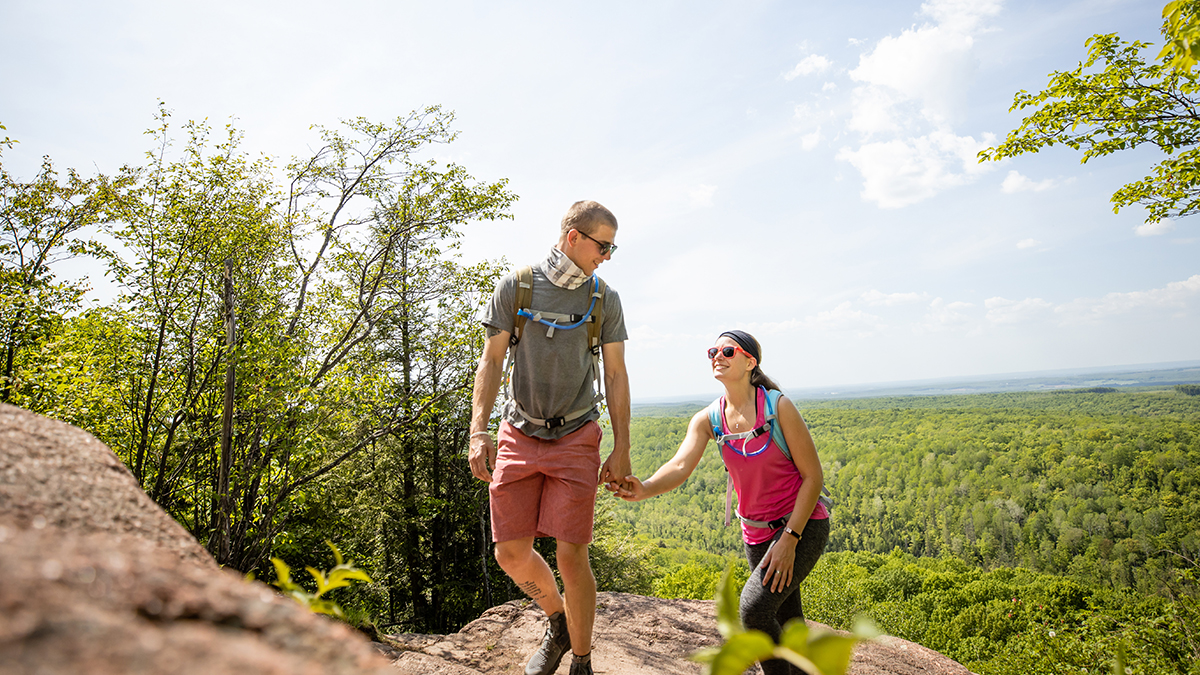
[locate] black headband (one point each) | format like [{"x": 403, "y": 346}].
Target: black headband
[{"x": 745, "y": 341}]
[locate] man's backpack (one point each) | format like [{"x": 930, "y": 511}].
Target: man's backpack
[{"x": 594, "y": 318}]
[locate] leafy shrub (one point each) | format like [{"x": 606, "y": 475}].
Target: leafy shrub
[{"x": 338, "y": 577}]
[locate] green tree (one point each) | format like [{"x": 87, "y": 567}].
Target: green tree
[
  {"x": 1181, "y": 28},
  {"x": 42, "y": 222},
  {"x": 1118, "y": 100},
  {"x": 250, "y": 395}
]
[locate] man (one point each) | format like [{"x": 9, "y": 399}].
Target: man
[{"x": 544, "y": 476}]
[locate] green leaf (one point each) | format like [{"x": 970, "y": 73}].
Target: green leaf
[
  {"x": 831, "y": 652},
  {"x": 742, "y": 651},
  {"x": 728, "y": 621},
  {"x": 283, "y": 573}
]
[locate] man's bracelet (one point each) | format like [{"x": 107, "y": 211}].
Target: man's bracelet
[{"x": 481, "y": 433}]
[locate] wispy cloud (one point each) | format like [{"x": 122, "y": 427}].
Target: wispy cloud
[
  {"x": 813, "y": 63},
  {"x": 900, "y": 172},
  {"x": 1027, "y": 243},
  {"x": 876, "y": 297},
  {"x": 702, "y": 195},
  {"x": 1002, "y": 310},
  {"x": 844, "y": 318},
  {"x": 1154, "y": 229},
  {"x": 942, "y": 315},
  {"x": 1177, "y": 295},
  {"x": 1015, "y": 182}
]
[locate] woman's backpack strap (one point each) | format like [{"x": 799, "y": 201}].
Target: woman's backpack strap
[
  {"x": 714, "y": 420},
  {"x": 776, "y": 428},
  {"x": 826, "y": 497}
]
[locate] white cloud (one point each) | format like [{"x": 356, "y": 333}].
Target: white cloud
[
  {"x": 911, "y": 87},
  {"x": 930, "y": 65},
  {"x": 872, "y": 111},
  {"x": 813, "y": 63},
  {"x": 809, "y": 141},
  {"x": 828, "y": 86},
  {"x": 845, "y": 319},
  {"x": 944, "y": 316},
  {"x": 854, "y": 42},
  {"x": 964, "y": 15},
  {"x": 876, "y": 297},
  {"x": 1027, "y": 243},
  {"x": 1154, "y": 229},
  {"x": 702, "y": 195},
  {"x": 1015, "y": 182},
  {"x": 1177, "y": 294},
  {"x": 901, "y": 172},
  {"x": 1002, "y": 310}
]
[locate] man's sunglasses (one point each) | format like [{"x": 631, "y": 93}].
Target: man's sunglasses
[
  {"x": 727, "y": 352},
  {"x": 605, "y": 247}
]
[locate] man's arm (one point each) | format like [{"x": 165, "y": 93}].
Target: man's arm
[
  {"x": 616, "y": 388},
  {"x": 488, "y": 374}
]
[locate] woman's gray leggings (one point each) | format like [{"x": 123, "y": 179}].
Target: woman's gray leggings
[{"x": 766, "y": 611}]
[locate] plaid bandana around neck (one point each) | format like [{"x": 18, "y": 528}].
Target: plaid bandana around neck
[{"x": 562, "y": 272}]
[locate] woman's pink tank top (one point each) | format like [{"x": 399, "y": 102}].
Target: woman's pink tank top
[{"x": 766, "y": 481}]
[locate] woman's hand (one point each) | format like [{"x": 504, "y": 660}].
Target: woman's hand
[
  {"x": 779, "y": 563},
  {"x": 632, "y": 490}
]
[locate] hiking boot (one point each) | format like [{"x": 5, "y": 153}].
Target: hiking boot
[
  {"x": 581, "y": 665},
  {"x": 555, "y": 644}
]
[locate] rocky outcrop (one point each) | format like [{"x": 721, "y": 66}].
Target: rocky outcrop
[
  {"x": 97, "y": 579},
  {"x": 633, "y": 635}
]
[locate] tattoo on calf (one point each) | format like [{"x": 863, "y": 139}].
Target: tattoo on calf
[{"x": 532, "y": 590}]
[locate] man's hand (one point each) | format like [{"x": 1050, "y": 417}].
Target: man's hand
[
  {"x": 482, "y": 457},
  {"x": 631, "y": 491},
  {"x": 616, "y": 468}
]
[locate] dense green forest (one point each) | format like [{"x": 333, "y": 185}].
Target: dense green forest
[{"x": 1017, "y": 532}]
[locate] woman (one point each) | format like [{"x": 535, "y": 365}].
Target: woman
[{"x": 784, "y": 526}]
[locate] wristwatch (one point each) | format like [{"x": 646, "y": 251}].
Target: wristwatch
[{"x": 788, "y": 530}]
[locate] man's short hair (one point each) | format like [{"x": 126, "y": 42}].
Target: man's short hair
[{"x": 586, "y": 216}]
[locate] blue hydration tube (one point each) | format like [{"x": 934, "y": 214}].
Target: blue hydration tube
[{"x": 529, "y": 315}]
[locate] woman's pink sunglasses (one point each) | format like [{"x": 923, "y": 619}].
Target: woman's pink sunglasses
[{"x": 726, "y": 351}]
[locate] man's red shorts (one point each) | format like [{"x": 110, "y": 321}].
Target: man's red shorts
[{"x": 544, "y": 488}]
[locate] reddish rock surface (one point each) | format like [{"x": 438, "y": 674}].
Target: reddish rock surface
[
  {"x": 633, "y": 635},
  {"x": 97, "y": 579}
]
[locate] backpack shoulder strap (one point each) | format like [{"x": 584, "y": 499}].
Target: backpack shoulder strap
[
  {"x": 714, "y": 420},
  {"x": 597, "y": 323},
  {"x": 826, "y": 497},
  {"x": 594, "y": 328},
  {"x": 777, "y": 428},
  {"x": 523, "y": 300}
]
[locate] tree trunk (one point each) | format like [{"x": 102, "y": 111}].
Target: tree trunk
[{"x": 218, "y": 543}]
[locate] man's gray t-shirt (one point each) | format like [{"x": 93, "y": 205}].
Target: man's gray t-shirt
[{"x": 552, "y": 376}]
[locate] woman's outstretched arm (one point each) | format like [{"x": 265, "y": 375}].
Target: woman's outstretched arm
[{"x": 672, "y": 474}]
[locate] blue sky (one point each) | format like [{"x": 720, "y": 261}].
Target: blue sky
[{"x": 802, "y": 170}]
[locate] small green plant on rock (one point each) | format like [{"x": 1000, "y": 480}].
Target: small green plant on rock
[
  {"x": 817, "y": 652},
  {"x": 341, "y": 575}
]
